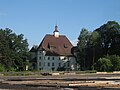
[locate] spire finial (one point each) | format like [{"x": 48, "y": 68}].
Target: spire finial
[{"x": 56, "y": 28}]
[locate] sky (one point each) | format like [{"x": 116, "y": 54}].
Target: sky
[{"x": 36, "y": 18}]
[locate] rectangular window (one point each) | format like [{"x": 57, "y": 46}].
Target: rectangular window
[
  {"x": 52, "y": 64},
  {"x": 64, "y": 64},
  {"x": 59, "y": 64},
  {"x": 68, "y": 63},
  {"x": 48, "y": 58},
  {"x": 40, "y": 58},
  {"x": 52, "y": 58},
  {"x": 59, "y": 58},
  {"x": 53, "y": 69},
  {"x": 48, "y": 64}
]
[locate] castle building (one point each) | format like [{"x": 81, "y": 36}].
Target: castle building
[{"x": 53, "y": 53}]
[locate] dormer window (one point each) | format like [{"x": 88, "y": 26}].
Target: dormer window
[
  {"x": 48, "y": 46},
  {"x": 65, "y": 46},
  {"x": 51, "y": 46}
]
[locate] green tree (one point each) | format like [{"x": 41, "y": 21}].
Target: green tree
[
  {"x": 110, "y": 37},
  {"x": 13, "y": 50},
  {"x": 94, "y": 42},
  {"x": 82, "y": 45},
  {"x": 105, "y": 40}
]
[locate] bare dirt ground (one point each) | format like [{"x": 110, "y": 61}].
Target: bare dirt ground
[{"x": 108, "y": 81}]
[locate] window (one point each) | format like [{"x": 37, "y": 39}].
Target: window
[
  {"x": 53, "y": 69},
  {"x": 39, "y": 63},
  {"x": 48, "y": 64},
  {"x": 59, "y": 58},
  {"x": 64, "y": 64},
  {"x": 52, "y": 64},
  {"x": 39, "y": 68},
  {"x": 68, "y": 63},
  {"x": 40, "y": 58},
  {"x": 59, "y": 64},
  {"x": 65, "y": 46},
  {"x": 48, "y": 58},
  {"x": 48, "y": 46},
  {"x": 52, "y": 58},
  {"x": 65, "y": 58}
]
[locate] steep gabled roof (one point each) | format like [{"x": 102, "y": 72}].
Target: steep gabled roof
[{"x": 56, "y": 46}]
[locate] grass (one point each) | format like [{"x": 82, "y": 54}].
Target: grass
[{"x": 38, "y": 73}]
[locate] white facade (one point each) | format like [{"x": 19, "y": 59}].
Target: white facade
[
  {"x": 52, "y": 63},
  {"x": 53, "y": 53}
]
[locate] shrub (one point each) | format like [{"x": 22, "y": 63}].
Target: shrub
[
  {"x": 103, "y": 64},
  {"x": 115, "y": 60},
  {"x": 2, "y": 68},
  {"x": 61, "y": 69}
]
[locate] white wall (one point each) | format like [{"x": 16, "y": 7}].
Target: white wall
[{"x": 43, "y": 61}]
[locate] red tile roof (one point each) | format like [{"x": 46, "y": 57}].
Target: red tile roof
[{"x": 56, "y": 45}]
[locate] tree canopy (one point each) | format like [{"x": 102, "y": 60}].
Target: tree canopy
[
  {"x": 103, "y": 41},
  {"x": 13, "y": 50}
]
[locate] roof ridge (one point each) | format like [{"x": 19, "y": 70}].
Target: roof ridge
[{"x": 52, "y": 35}]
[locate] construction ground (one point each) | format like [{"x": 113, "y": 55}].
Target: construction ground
[{"x": 67, "y": 81}]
